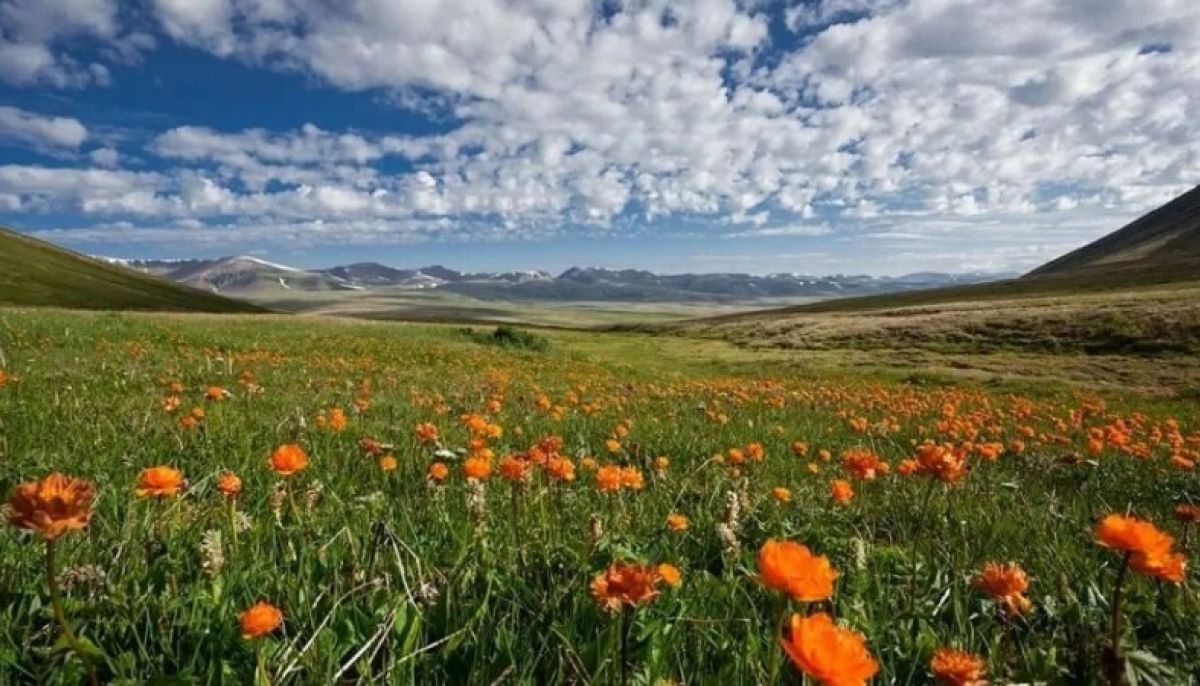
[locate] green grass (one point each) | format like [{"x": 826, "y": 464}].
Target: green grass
[
  {"x": 37, "y": 274},
  {"x": 384, "y": 578}
]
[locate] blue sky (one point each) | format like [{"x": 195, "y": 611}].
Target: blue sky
[{"x": 822, "y": 136}]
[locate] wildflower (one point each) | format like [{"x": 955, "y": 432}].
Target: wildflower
[
  {"x": 212, "y": 553},
  {"x": 289, "y": 459},
  {"x": 612, "y": 445},
  {"x": 670, "y": 575},
  {"x": 215, "y": 393},
  {"x": 631, "y": 478},
  {"x": 799, "y": 448},
  {"x": 828, "y": 653},
  {"x": 1006, "y": 584},
  {"x": 337, "y": 419},
  {"x": 427, "y": 432},
  {"x": 864, "y": 464},
  {"x": 781, "y": 494},
  {"x": 588, "y": 464},
  {"x": 514, "y": 469},
  {"x": 790, "y": 567},
  {"x": 908, "y": 467},
  {"x": 560, "y": 469},
  {"x": 388, "y": 463},
  {"x": 625, "y": 584},
  {"x": 755, "y": 452},
  {"x": 661, "y": 464},
  {"x": 259, "y": 620},
  {"x": 52, "y": 506},
  {"x": 438, "y": 471},
  {"x": 477, "y": 468},
  {"x": 677, "y": 522},
  {"x": 608, "y": 479},
  {"x": 1187, "y": 513},
  {"x": 1150, "y": 549},
  {"x": 229, "y": 484},
  {"x": 3, "y": 378},
  {"x": 953, "y": 667},
  {"x": 841, "y": 491},
  {"x": 159, "y": 482}
]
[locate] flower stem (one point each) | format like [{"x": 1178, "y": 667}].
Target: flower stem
[
  {"x": 1115, "y": 624},
  {"x": 61, "y": 616}
]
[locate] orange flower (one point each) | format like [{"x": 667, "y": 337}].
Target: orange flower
[
  {"x": 828, "y": 653},
  {"x": 560, "y": 469},
  {"x": 388, "y": 463},
  {"x": 1006, "y": 584},
  {"x": 631, "y": 478},
  {"x": 426, "y": 432},
  {"x": 612, "y": 445},
  {"x": 3, "y": 378},
  {"x": 625, "y": 584},
  {"x": 841, "y": 490},
  {"x": 438, "y": 471},
  {"x": 229, "y": 484},
  {"x": 1169, "y": 566},
  {"x": 953, "y": 667},
  {"x": 289, "y": 459},
  {"x": 260, "y": 619},
  {"x": 53, "y": 506},
  {"x": 755, "y": 452},
  {"x": 799, "y": 448},
  {"x": 514, "y": 469},
  {"x": 661, "y": 464},
  {"x": 1150, "y": 548},
  {"x": 1187, "y": 513},
  {"x": 608, "y": 479},
  {"x": 864, "y": 464},
  {"x": 670, "y": 575},
  {"x": 477, "y": 468},
  {"x": 790, "y": 567},
  {"x": 337, "y": 419},
  {"x": 677, "y": 522},
  {"x": 215, "y": 393},
  {"x": 159, "y": 482},
  {"x": 781, "y": 494}
]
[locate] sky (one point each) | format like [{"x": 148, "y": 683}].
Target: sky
[{"x": 812, "y": 136}]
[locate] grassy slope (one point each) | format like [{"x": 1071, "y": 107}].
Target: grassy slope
[{"x": 37, "y": 274}]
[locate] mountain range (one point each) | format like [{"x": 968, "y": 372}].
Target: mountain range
[{"x": 253, "y": 278}]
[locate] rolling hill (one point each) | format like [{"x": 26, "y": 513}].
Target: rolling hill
[
  {"x": 37, "y": 274},
  {"x": 1162, "y": 243}
]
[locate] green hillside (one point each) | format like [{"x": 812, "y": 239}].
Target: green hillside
[{"x": 37, "y": 274}]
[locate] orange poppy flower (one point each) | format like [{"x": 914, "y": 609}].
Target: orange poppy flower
[
  {"x": 1006, "y": 584},
  {"x": 841, "y": 491},
  {"x": 612, "y": 445},
  {"x": 755, "y": 452},
  {"x": 677, "y": 522},
  {"x": 631, "y": 478},
  {"x": 670, "y": 575},
  {"x": 953, "y": 667},
  {"x": 608, "y": 479},
  {"x": 661, "y": 464},
  {"x": 799, "y": 448},
  {"x": 1132, "y": 535},
  {"x": 260, "y": 619},
  {"x": 864, "y": 464},
  {"x": 159, "y": 482},
  {"x": 337, "y": 419},
  {"x": 832, "y": 655},
  {"x": 215, "y": 393},
  {"x": 514, "y": 469},
  {"x": 289, "y": 459},
  {"x": 781, "y": 494},
  {"x": 477, "y": 468},
  {"x": 388, "y": 463},
  {"x": 1167, "y": 566},
  {"x": 438, "y": 471},
  {"x": 53, "y": 506},
  {"x": 625, "y": 584},
  {"x": 560, "y": 469},
  {"x": 792, "y": 568},
  {"x": 229, "y": 484},
  {"x": 427, "y": 432}
]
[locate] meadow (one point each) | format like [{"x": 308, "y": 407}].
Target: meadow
[{"x": 414, "y": 505}]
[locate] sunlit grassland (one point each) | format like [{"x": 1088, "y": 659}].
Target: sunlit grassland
[{"x": 384, "y": 577}]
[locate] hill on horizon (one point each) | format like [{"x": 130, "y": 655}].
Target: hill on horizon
[
  {"x": 1165, "y": 241},
  {"x": 36, "y": 274}
]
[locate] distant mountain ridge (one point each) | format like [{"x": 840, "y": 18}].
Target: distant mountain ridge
[
  {"x": 1163, "y": 242},
  {"x": 251, "y": 277}
]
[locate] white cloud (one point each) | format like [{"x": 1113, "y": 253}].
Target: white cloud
[
  {"x": 925, "y": 111},
  {"x": 39, "y": 131}
]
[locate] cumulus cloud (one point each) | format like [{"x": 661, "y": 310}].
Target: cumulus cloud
[
  {"x": 581, "y": 114},
  {"x": 38, "y": 131}
]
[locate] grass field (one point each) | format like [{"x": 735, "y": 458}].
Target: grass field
[{"x": 385, "y": 574}]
